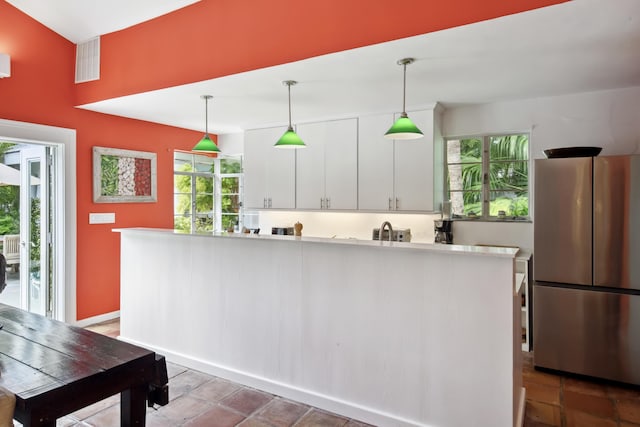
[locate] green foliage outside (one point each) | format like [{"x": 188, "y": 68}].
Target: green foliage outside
[
  {"x": 34, "y": 250},
  {"x": 9, "y": 202},
  {"x": 204, "y": 202},
  {"x": 508, "y": 174},
  {"x": 230, "y": 198}
]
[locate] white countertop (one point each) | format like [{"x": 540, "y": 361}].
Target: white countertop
[{"x": 429, "y": 247}]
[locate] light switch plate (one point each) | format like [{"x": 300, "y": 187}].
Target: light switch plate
[{"x": 102, "y": 218}]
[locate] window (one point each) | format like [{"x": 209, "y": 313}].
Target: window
[
  {"x": 230, "y": 193},
  {"x": 207, "y": 193},
  {"x": 488, "y": 176}
]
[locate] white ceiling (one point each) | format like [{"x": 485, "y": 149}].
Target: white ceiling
[
  {"x": 578, "y": 46},
  {"x": 81, "y": 20}
]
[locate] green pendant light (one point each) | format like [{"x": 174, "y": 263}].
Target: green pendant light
[
  {"x": 290, "y": 139},
  {"x": 404, "y": 128},
  {"x": 206, "y": 144}
]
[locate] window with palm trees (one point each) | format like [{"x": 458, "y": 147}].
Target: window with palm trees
[{"x": 488, "y": 176}]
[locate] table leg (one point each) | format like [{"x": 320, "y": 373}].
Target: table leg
[{"x": 133, "y": 406}]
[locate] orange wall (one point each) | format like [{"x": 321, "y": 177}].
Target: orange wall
[
  {"x": 206, "y": 40},
  {"x": 41, "y": 90},
  {"x": 98, "y": 272}
]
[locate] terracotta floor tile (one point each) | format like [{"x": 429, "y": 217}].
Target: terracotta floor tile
[
  {"x": 174, "y": 370},
  {"x": 246, "y": 400},
  {"x": 282, "y": 413},
  {"x": 215, "y": 390},
  {"x": 185, "y": 382},
  {"x": 629, "y": 410},
  {"x": 533, "y": 376},
  {"x": 622, "y": 392},
  {"x": 184, "y": 408},
  {"x": 543, "y": 393},
  {"x": 316, "y": 418},
  {"x": 585, "y": 387},
  {"x": 110, "y": 417},
  {"x": 155, "y": 419},
  {"x": 543, "y": 413},
  {"x": 595, "y": 405},
  {"x": 354, "y": 423},
  {"x": 253, "y": 422},
  {"x": 533, "y": 423},
  {"x": 97, "y": 407},
  {"x": 553, "y": 400},
  {"x": 217, "y": 416},
  {"x": 582, "y": 419}
]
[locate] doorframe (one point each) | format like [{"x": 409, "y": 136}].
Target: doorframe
[{"x": 65, "y": 188}]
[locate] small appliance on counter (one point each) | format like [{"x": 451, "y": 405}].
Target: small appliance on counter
[
  {"x": 443, "y": 233},
  {"x": 283, "y": 231},
  {"x": 401, "y": 235}
]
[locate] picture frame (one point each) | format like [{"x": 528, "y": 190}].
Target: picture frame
[{"x": 124, "y": 176}]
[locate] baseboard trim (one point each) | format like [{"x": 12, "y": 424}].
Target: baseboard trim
[
  {"x": 97, "y": 319},
  {"x": 331, "y": 404},
  {"x": 521, "y": 407}
]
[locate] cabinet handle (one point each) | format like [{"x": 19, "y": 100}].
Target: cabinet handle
[
  {"x": 390, "y": 201},
  {"x": 269, "y": 202},
  {"x": 397, "y": 204},
  {"x": 328, "y": 202},
  {"x": 264, "y": 202},
  {"x": 321, "y": 203}
]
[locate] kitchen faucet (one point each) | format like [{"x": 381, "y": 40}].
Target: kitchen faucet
[{"x": 382, "y": 227}]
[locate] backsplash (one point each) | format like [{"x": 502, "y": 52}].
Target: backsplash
[
  {"x": 346, "y": 225},
  {"x": 359, "y": 225}
]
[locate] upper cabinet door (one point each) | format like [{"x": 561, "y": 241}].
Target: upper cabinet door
[
  {"x": 414, "y": 167},
  {"x": 375, "y": 163},
  {"x": 341, "y": 165},
  {"x": 269, "y": 172},
  {"x": 326, "y": 170},
  {"x": 310, "y": 166}
]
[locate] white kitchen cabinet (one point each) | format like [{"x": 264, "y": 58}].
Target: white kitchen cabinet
[
  {"x": 326, "y": 170},
  {"x": 399, "y": 175},
  {"x": 269, "y": 173}
]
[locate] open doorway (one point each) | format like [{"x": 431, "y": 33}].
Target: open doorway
[{"x": 27, "y": 234}]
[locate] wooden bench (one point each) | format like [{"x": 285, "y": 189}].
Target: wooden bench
[{"x": 55, "y": 369}]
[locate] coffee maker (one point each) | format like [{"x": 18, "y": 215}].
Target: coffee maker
[{"x": 443, "y": 233}]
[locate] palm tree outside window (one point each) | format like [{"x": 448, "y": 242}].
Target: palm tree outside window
[{"x": 488, "y": 175}]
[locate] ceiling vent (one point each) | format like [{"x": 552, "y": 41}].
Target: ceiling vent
[{"x": 88, "y": 60}]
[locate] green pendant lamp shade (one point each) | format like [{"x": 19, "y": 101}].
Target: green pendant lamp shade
[
  {"x": 290, "y": 139},
  {"x": 206, "y": 144},
  {"x": 404, "y": 128}
]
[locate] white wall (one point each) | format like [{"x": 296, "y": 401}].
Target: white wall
[{"x": 610, "y": 119}]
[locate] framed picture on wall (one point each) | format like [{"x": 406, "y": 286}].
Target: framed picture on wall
[{"x": 124, "y": 176}]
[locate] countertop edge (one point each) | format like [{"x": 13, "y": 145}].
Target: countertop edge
[{"x": 506, "y": 252}]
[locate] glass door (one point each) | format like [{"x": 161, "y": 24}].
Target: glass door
[{"x": 35, "y": 219}]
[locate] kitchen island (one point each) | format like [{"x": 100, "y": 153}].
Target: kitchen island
[{"x": 393, "y": 334}]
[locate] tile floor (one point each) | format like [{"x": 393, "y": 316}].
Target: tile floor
[
  {"x": 198, "y": 399},
  {"x": 570, "y": 401}
]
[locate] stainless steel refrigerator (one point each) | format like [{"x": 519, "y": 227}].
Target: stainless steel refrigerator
[{"x": 586, "y": 307}]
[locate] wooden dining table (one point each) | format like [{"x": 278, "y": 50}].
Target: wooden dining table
[{"x": 55, "y": 369}]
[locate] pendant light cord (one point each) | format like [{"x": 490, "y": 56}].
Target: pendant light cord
[
  {"x": 289, "y": 87},
  {"x": 404, "y": 89},
  {"x": 206, "y": 115}
]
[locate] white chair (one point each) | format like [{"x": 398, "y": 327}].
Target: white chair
[{"x": 11, "y": 250}]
